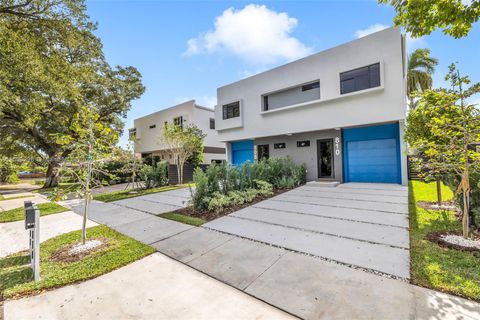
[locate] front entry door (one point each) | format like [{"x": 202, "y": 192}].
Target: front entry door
[{"x": 325, "y": 158}]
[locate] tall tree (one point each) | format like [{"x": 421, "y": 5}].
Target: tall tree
[
  {"x": 442, "y": 130},
  {"x": 420, "y": 69},
  {"x": 422, "y": 17},
  {"x": 50, "y": 70}
]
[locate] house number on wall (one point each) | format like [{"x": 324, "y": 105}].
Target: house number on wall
[{"x": 337, "y": 146}]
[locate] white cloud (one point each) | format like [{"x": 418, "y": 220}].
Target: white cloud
[
  {"x": 204, "y": 101},
  {"x": 255, "y": 33},
  {"x": 412, "y": 43},
  {"x": 369, "y": 30}
]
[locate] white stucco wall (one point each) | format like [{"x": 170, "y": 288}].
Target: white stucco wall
[
  {"x": 148, "y": 140},
  {"x": 378, "y": 105}
]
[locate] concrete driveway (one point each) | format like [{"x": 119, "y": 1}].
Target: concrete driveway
[{"x": 362, "y": 225}]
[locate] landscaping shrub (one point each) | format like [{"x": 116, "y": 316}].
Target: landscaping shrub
[
  {"x": 154, "y": 176},
  {"x": 224, "y": 185},
  {"x": 8, "y": 171}
]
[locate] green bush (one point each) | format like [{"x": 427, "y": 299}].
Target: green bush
[
  {"x": 154, "y": 176},
  {"x": 8, "y": 171},
  {"x": 222, "y": 185}
]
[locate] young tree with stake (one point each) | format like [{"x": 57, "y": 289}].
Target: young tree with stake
[
  {"x": 181, "y": 143},
  {"x": 442, "y": 130}
]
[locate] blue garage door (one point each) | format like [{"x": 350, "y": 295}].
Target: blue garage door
[
  {"x": 242, "y": 151},
  {"x": 372, "y": 154}
]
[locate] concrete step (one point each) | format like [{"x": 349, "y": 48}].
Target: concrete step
[{"x": 324, "y": 184}]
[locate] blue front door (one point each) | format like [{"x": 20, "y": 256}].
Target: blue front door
[
  {"x": 242, "y": 151},
  {"x": 372, "y": 154}
]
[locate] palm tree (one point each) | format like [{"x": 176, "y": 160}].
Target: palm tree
[{"x": 419, "y": 74}]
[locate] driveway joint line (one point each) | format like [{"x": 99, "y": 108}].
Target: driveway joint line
[
  {"x": 312, "y": 189},
  {"x": 321, "y": 232},
  {"x": 299, "y": 194},
  {"x": 208, "y": 251},
  {"x": 326, "y": 205},
  {"x": 268, "y": 268},
  {"x": 327, "y": 217},
  {"x": 353, "y": 266}
]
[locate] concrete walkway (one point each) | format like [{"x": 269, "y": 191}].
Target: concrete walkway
[
  {"x": 155, "y": 287},
  {"x": 306, "y": 286},
  {"x": 157, "y": 203},
  {"x": 364, "y": 225},
  {"x": 14, "y": 237}
]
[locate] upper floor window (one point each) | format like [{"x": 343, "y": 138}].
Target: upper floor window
[
  {"x": 360, "y": 79},
  {"x": 291, "y": 96},
  {"x": 231, "y": 110},
  {"x": 178, "y": 121},
  {"x": 153, "y": 126},
  {"x": 132, "y": 134},
  {"x": 212, "y": 123}
]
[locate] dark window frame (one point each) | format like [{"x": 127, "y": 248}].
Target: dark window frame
[
  {"x": 178, "y": 121},
  {"x": 310, "y": 86},
  {"x": 363, "y": 78},
  {"x": 212, "y": 123},
  {"x": 231, "y": 110},
  {"x": 260, "y": 155},
  {"x": 152, "y": 126},
  {"x": 279, "y": 145},
  {"x": 303, "y": 143}
]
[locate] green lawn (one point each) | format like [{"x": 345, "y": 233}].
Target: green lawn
[
  {"x": 433, "y": 266},
  {"x": 18, "y": 213},
  {"x": 183, "y": 219},
  {"x": 16, "y": 274},
  {"x": 125, "y": 194}
]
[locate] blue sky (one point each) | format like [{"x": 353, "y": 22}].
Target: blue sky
[{"x": 186, "y": 49}]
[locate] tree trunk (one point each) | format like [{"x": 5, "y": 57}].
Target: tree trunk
[
  {"x": 53, "y": 173},
  {"x": 439, "y": 192}
]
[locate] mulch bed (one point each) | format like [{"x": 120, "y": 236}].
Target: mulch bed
[
  {"x": 436, "y": 237},
  {"x": 64, "y": 254},
  {"x": 212, "y": 215},
  {"x": 433, "y": 205}
]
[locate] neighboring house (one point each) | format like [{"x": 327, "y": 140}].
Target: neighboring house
[
  {"x": 341, "y": 112},
  {"x": 148, "y": 130}
]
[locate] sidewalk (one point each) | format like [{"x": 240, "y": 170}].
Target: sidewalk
[{"x": 155, "y": 287}]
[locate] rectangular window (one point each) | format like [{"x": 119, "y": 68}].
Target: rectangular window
[
  {"x": 311, "y": 86},
  {"x": 263, "y": 152},
  {"x": 178, "y": 121},
  {"x": 212, "y": 123},
  {"x": 301, "y": 93},
  {"x": 153, "y": 126},
  {"x": 132, "y": 134},
  {"x": 360, "y": 79},
  {"x": 279, "y": 145},
  {"x": 231, "y": 110},
  {"x": 304, "y": 143}
]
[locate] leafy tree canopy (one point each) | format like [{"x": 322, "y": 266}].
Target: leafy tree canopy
[
  {"x": 52, "y": 68},
  {"x": 422, "y": 17}
]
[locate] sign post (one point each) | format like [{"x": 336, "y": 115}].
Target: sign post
[{"x": 32, "y": 224}]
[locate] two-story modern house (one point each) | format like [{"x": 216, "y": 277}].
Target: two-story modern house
[
  {"x": 148, "y": 130},
  {"x": 341, "y": 112}
]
